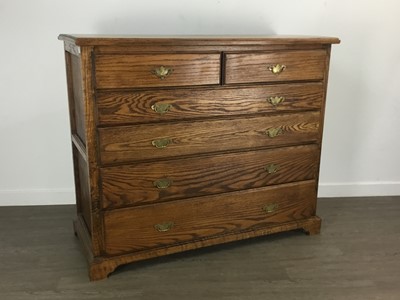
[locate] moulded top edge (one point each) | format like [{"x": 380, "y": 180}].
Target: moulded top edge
[{"x": 126, "y": 40}]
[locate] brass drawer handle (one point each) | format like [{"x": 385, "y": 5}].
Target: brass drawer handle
[
  {"x": 273, "y": 132},
  {"x": 161, "y": 108},
  {"x": 277, "y": 69},
  {"x": 275, "y": 101},
  {"x": 271, "y": 168},
  {"x": 162, "y": 183},
  {"x": 164, "y": 227},
  {"x": 270, "y": 207},
  {"x": 161, "y": 143},
  {"x": 161, "y": 72}
]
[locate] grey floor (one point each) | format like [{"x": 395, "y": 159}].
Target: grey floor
[{"x": 356, "y": 256}]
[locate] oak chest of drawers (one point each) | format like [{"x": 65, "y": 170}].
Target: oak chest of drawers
[{"x": 185, "y": 142}]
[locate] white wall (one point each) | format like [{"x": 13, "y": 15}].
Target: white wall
[{"x": 361, "y": 140}]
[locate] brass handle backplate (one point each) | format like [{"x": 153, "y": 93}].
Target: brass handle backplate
[
  {"x": 270, "y": 207},
  {"x": 275, "y": 101},
  {"x": 162, "y": 71},
  {"x": 161, "y": 108},
  {"x": 163, "y": 227},
  {"x": 277, "y": 69},
  {"x": 161, "y": 143},
  {"x": 273, "y": 132},
  {"x": 162, "y": 183},
  {"x": 271, "y": 168}
]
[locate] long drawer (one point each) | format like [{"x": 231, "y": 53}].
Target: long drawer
[
  {"x": 148, "y": 106},
  {"x": 171, "y": 223},
  {"x": 275, "y": 66},
  {"x": 149, "y": 141},
  {"x": 152, "y": 70},
  {"x": 145, "y": 183}
]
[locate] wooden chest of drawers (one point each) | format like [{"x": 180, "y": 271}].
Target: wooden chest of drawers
[{"x": 185, "y": 142}]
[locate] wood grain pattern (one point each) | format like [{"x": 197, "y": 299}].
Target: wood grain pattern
[
  {"x": 253, "y": 67},
  {"x": 131, "y": 71},
  {"x": 96, "y": 230},
  {"x": 132, "y": 143},
  {"x": 193, "y": 177},
  {"x": 134, "y": 107},
  {"x": 77, "y": 113},
  {"x": 104, "y": 266},
  {"x": 82, "y": 180},
  {"x": 72, "y": 122},
  {"x": 77, "y": 97},
  {"x": 132, "y": 229}
]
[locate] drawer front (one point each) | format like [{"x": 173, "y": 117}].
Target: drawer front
[
  {"x": 146, "y": 183},
  {"x": 276, "y": 66},
  {"x": 155, "y": 226},
  {"x": 164, "y": 105},
  {"x": 128, "y": 71},
  {"x": 149, "y": 141}
]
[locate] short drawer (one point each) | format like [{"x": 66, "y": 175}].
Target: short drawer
[
  {"x": 149, "y": 141},
  {"x": 145, "y": 183},
  {"x": 177, "y": 222},
  {"x": 154, "y": 70},
  {"x": 181, "y": 104},
  {"x": 275, "y": 66}
]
